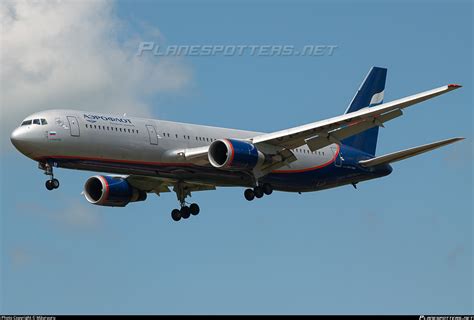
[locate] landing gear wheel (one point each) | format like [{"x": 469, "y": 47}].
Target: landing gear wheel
[
  {"x": 185, "y": 212},
  {"x": 176, "y": 215},
  {"x": 267, "y": 189},
  {"x": 49, "y": 185},
  {"x": 249, "y": 194},
  {"x": 55, "y": 183},
  {"x": 194, "y": 209},
  {"x": 258, "y": 192}
]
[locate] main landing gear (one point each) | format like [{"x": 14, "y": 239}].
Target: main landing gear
[
  {"x": 52, "y": 183},
  {"x": 185, "y": 212},
  {"x": 258, "y": 192}
]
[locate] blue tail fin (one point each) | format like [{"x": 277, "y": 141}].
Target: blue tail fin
[{"x": 369, "y": 94}]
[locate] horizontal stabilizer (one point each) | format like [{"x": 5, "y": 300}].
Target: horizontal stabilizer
[{"x": 404, "y": 154}]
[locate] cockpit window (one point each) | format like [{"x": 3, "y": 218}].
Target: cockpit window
[
  {"x": 26, "y": 123},
  {"x": 43, "y": 122},
  {"x": 36, "y": 121}
]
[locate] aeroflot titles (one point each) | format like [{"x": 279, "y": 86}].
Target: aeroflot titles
[{"x": 93, "y": 118}]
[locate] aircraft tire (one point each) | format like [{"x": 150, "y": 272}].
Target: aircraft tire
[
  {"x": 55, "y": 183},
  {"x": 258, "y": 192},
  {"x": 249, "y": 194},
  {"x": 49, "y": 185},
  {"x": 185, "y": 212},
  {"x": 194, "y": 209},
  {"x": 267, "y": 189},
  {"x": 176, "y": 215}
]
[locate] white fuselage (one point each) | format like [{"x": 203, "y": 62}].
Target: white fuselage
[{"x": 126, "y": 145}]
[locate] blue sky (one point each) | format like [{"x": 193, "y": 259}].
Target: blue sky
[{"x": 400, "y": 244}]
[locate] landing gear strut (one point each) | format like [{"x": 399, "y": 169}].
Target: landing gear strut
[
  {"x": 52, "y": 183},
  {"x": 258, "y": 192},
  {"x": 185, "y": 212}
]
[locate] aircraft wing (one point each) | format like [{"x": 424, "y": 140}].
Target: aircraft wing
[
  {"x": 322, "y": 133},
  {"x": 319, "y": 134}
]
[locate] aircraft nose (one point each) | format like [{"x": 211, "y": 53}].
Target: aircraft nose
[
  {"x": 15, "y": 137},
  {"x": 20, "y": 140}
]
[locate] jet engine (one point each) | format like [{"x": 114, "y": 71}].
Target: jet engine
[
  {"x": 111, "y": 191},
  {"x": 234, "y": 154}
]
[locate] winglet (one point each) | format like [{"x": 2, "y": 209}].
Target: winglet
[{"x": 454, "y": 86}]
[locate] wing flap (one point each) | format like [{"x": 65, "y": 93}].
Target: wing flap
[
  {"x": 404, "y": 154},
  {"x": 335, "y": 136}
]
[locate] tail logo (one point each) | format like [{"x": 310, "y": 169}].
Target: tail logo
[{"x": 376, "y": 98}]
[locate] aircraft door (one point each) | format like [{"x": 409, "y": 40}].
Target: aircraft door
[
  {"x": 152, "y": 134},
  {"x": 73, "y": 126}
]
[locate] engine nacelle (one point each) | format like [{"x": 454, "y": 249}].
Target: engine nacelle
[
  {"x": 111, "y": 191},
  {"x": 234, "y": 154}
]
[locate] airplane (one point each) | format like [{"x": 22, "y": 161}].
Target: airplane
[{"x": 141, "y": 156}]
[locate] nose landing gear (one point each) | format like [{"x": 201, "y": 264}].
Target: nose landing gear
[
  {"x": 52, "y": 184},
  {"x": 48, "y": 170}
]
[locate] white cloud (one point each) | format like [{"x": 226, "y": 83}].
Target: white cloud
[
  {"x": 78, "y": 216},
  {"x": 76, "y": 54},
  {"x": 20, "y": 257},
  {"x": 69, "y": 213}
]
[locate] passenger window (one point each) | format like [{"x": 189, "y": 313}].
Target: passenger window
[
  {"x": 87, "y": 126},
  {"x": 128, "y": 130}
]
